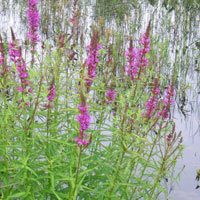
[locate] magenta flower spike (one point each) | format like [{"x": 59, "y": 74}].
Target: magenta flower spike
[
  {"x": 136, "y": 57},
  {"x": 142, "y": 61},
  {"x": 92, "y": 59},
  {"x": 33, "y": 22},
  {"x": 84, "y": 120},
  {"x": 131, "y": 56},
  {"x": 16, "y": 56},
  {"x": 51, "y": 94},
  {"x": 167, "y": 101},
  {"x": 84, "y": 117},
  {"x": 151, "y": 104}
]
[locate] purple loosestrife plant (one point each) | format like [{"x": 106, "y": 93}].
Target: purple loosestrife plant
[
  {"x": 167, "y": 101},
  {"x": 92, "y": 59},
  {"x": 33, "y": 22},
  {"x": 136, "y": 58},
  {"x": 151, "y": 104},
  {"x": 131, "y": 56},
  {"x": 84, "y": 117},
  {"x": 51, "y": 95},
  {"x": 15, "y": 54},
  {"x": 142, "y": 61}
]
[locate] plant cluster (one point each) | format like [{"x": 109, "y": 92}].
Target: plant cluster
[{"x": 86, "y": 127}]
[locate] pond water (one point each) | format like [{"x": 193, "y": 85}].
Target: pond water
[{"x": 175, "y": 34}]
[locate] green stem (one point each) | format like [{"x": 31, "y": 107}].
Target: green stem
[
  {"x": 77, "y": 173},
  {"x": 116, "y": 175},
  {"x": 148, "y": 159},
  {"x": 158, "y": 178},
  {"x": 5, "y": 141}
]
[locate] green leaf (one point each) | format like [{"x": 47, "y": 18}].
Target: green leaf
[{"x": 17, "y": 195}]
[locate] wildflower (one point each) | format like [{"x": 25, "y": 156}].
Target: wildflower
[
  {"x": 16, "y": 56},
  {"x": 167, "y": 101},
  {"x": 84, "y": 120},
  {"x": 142, "y": 61},
  {"x": 81, "y": 142},
  {"x": 136, "y": 57},
  {"x": 84, "y": 117},
  {"x": 92, "y": 59},
  {"x": 51, "y": 94},
  {"x": 110, "y": 95},
  {"x": 131, "y": 56},
  {"x": 151, "y": 104},
  {"x": 33, "y": 22}
]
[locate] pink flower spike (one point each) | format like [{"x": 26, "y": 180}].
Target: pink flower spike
[
  {"x": 167, "y": 101},
  {"x": 33, "y": 22},
  {"x": 16, "y": 56},
  {"x": 92, "y": 59},
  {"x": 51, "y": 94}
]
